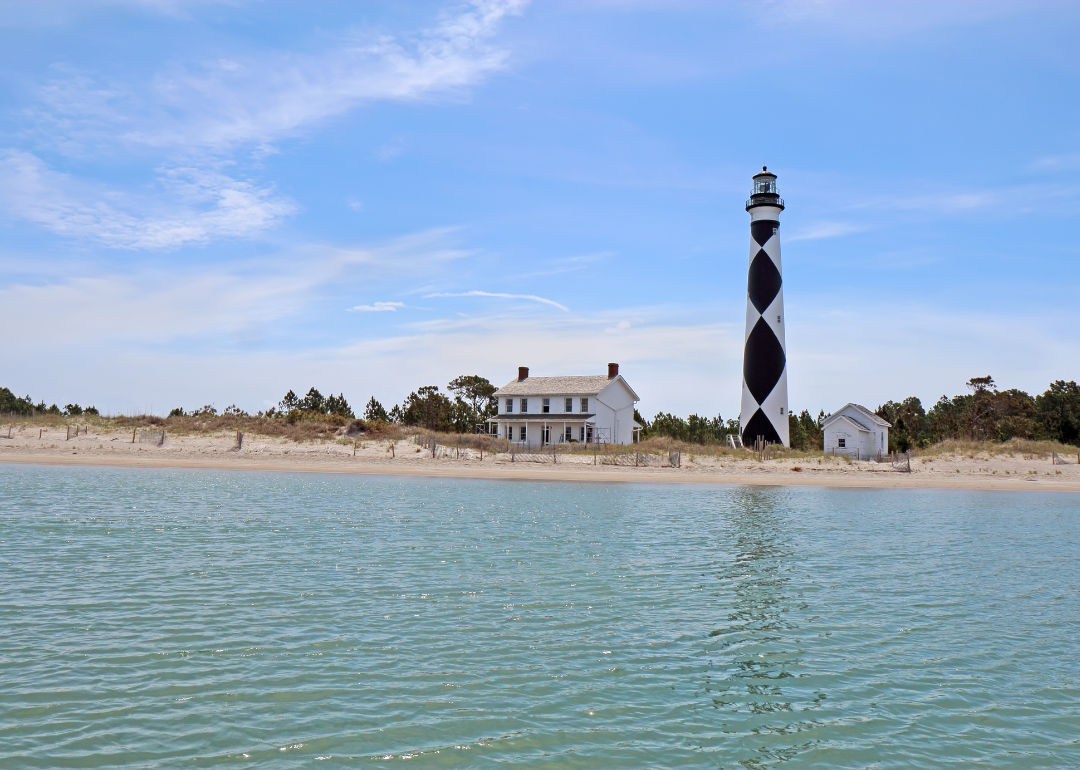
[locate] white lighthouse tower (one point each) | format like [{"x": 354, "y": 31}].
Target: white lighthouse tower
[{"x": 764, "y": 388}]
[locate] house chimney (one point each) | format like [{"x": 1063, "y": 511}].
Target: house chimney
[
  {"x": 523, "y": 373},
  {"x": 612, "y": 371}
]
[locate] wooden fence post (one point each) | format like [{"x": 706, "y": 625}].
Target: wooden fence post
[{"x": 133, "y": 435}]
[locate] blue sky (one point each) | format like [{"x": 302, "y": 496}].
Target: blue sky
[{"x": 213, "y": 202}]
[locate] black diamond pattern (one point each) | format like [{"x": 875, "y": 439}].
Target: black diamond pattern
[
  {"x": 764, "y": 281},
  {"x": 762, "y": 230},
  {"x": 763, "y": 361},
  {"x": 759, "y": 425}
]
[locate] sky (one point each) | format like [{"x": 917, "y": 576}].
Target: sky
[{"x": 215, "y": 202}]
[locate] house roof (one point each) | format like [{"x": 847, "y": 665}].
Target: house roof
[
  {"x": 862, "y": 412},
  {"x": 580, "y": 385},
  {"x": 834, "y": 418}
]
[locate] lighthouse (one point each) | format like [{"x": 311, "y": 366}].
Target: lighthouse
[{"x": 764, "y": 387}]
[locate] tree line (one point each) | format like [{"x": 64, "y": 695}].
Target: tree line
[
  {"x": 464, "y": 408},
  {"x": 12, "y": 404},
  {"x": 984, "y": 413}
]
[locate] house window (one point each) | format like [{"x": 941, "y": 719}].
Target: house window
[
  {"x": 584, "y": 405},
  {"x": 588, "y": 433},
  {"x": 522, "y": 432},
  {"x": 841, "y": 442},
  {"x": 545, "y": 405},
  {"x": 781, "y": 410},
  {"x": 524, "y": 405},
  {"x": 545, "y": 435},
  {"x": 882, "y": 440},
  {"x": 509, "y": 432},
  {"x": 509, "y": 405},
  {"x": 582, "y": 432},
  {"x": 569, "y": 405},
  {"x": 569, "y": 435}
]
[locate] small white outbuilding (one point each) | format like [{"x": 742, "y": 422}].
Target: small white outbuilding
[{"x": 857, "y": 432}]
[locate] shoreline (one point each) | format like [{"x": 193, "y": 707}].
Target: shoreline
[{"x": 525, "y": 471}]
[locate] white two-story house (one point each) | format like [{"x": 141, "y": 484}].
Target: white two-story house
[{"x": 537, "y": 411}]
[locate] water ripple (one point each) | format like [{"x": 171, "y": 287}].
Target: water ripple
[{"x": 154, "y": 618}]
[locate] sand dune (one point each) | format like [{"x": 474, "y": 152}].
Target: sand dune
[{"x": 374, "y": 457}]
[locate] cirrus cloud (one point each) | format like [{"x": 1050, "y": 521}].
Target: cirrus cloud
[
  {"x": 377, "y": 307},
  {"x": 500, "y": 295}
]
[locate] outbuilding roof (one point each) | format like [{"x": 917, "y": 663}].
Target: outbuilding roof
[
  {"x": 862, "y": 411},
  {"x": 579, "y": 385},
  {"x": 858, "y": 425}
]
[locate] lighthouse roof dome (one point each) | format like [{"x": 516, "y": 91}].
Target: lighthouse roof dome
[{"x": 765, "y": 172}]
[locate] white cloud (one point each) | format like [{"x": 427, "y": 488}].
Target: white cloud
[
  {"x": 221, "y": 305},
  {"x": 529, "y": 297},
  {"x": 197, "y": 206},
  {"x": 1057, "y": 162},
  {"x": 219, "y": 105},
  {"x": 819, "y": 230},
  {"x": 187, "y": 338},
  {"x": 192, "y": 117},
  {"x": 378, "y": 307}
]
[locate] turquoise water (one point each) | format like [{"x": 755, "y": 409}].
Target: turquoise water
[{"x": 163, "y": 619}]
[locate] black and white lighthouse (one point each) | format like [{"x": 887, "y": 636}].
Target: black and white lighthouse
[{"x": 764, "y": 388}]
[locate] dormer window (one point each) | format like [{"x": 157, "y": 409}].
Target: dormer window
[{"x": 569, "y": 405}]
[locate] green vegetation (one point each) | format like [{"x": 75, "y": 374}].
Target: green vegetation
[
  {"x": 314, "y": 404},
  {"x": 12, "y": 404},
  {"x": 983, "y": 415},
  {"x": 804, "y": 432},
  {"x": 428, "y": 408},
  {"x": 987, "y": 414},
  {"x": 693, "y": 430}
]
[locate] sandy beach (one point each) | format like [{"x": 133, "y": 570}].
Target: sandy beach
[{"x": 260, "y": 453}]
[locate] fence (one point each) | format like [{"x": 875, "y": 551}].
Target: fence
[
  {"x": 765, "y": 450},
  {"x": 1057, "y": 459},
  {"x": 601, "y": 456},
  {"x": 673, "y": 459},
  {"x": 155, "y": 437},
  {"x": 900, "y": 461}
]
